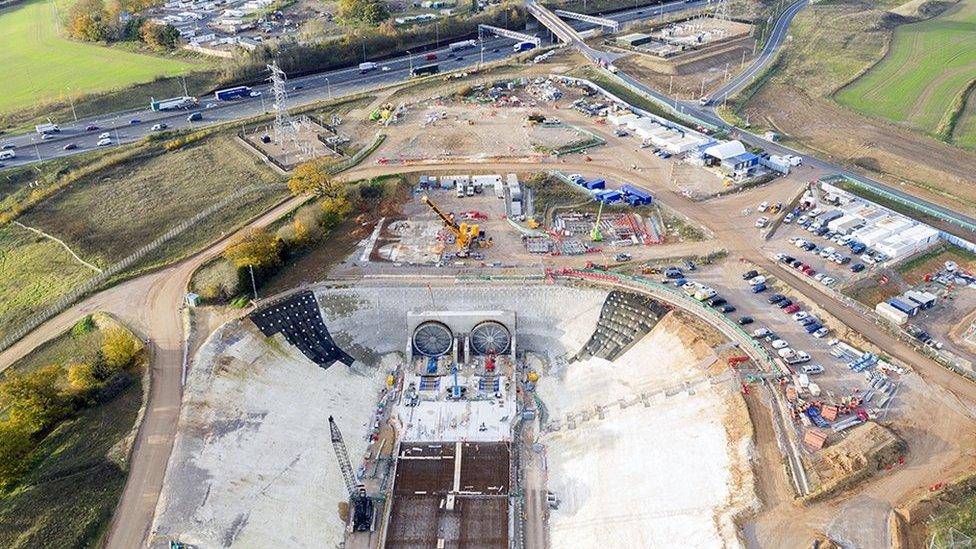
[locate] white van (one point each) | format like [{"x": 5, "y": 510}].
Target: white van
[{"x": 7, "y": 155}]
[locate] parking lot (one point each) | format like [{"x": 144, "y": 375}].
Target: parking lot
[{"x": 837, "y": 380}]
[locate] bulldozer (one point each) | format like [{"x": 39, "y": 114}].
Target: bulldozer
[{"x": 466, "y": 235}]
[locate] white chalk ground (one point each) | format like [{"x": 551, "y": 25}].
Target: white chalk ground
[
  {"x": 663, "y": 475},
  {"x": 253, "y": 464}
]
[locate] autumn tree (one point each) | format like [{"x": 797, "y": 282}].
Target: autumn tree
[
  {"x": 81, "y": 376},
  {"x": 15, "y": 447},
  {"x": 159, "y": 37},
  {"x": 257, "y": 248},
  {"x": 88, "y": 20},
  {"x": 370, "y": 12},
  {"x": 34, "y": 400},
  {"x": 313, "y": 178},
  {"x": 119, "y": 348}
]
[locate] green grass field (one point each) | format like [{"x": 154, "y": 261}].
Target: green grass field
[
  {"x": 928, "y": 65},
  {"x": 108, "y": 215},
  {"x": 42, "y": 66},
  {"x": 34, "y": 271}
]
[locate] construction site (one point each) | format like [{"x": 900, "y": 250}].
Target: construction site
[{"x": 582, "y": 326}]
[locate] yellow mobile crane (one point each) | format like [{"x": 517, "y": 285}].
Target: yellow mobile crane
[{"x": 465, "y": 234}]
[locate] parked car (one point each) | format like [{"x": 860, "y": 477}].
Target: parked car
[
  {"x": 780, "y": 344},
  {"x": 857, "y": 267},
  {"x": 757, "y": 280},
  {"x": 785, "y": 303},
  {"x": 761, "y": 332},
  {"x": 791, "y": 309},
  {"x": 788, "y": 219},
  {"x": 623, "y": 257},
  {"x": 750, "y": 274},
  {"x": 818, "y": 277},
  {"x": 827, "y": 280},
  {"x": 823, "y": 331},
  {"x": 800, "y": 315},
  {"x": 775, "y": 298},
  {"x": 762, "y": 222},
  {"x": 759, "y": 288},
  {"x": 812, "y": 369},
  {"x": 716, "y": 301},
  {"x": 745, "y": 320},
  {"x": 727, "y": 309},
  {"x": 763, "y": 206}
]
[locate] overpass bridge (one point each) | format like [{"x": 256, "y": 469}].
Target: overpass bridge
[{"x": 611, "y": 24}]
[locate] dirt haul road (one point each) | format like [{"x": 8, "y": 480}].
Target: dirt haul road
[{"x": 152, "y": 306}]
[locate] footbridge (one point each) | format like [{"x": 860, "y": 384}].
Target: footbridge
[
  {"x": 601, "y": 21},
  {"x": 567, "y": 34},
  {"x": 505, "y": 33}
]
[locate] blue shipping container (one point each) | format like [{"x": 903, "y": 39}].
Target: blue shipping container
[
  {"x": 644, "y": 196},
  {"x": 609, "y": 197},
  {"x": 596, "y": 184}
]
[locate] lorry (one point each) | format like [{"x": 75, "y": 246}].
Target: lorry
[
  {"x": 523, "y": 46},
  {"x": 425, "y": 70},
  {"x": 232, "y": 93},
  {"x": 462, "y": 45},
  {"x": 366, "y": 67},
  {"x": 47, "y": 128},
  {"x": 182, "y": 102}
]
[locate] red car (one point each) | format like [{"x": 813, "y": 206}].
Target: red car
[
  {"x": 810, "y": 272},
  {"x": 430, "y": 56},
  {"x": 792, "y": 309}
]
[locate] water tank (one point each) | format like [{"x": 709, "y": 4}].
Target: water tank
[
  {"x": 432, "y": 339},
  {"x": 490, "y": 337}
]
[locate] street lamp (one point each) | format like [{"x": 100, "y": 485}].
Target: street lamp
[
  {"x": 410, "y": 60},
  {"x": 328, "y": 86},
  {"x": 118, "y": 140}
]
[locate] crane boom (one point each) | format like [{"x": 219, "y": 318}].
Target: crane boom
[
  {"x": 343, "y": 457},
  {"x": 447, "y": 220}
]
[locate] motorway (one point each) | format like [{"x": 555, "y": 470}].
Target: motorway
[{"x": 31, "y": 148}]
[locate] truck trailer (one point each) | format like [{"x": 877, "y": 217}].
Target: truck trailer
[
  {"x": 462, "y": 45},
  {"x": 47, "y": 128},
  {"x": 232, "y": 93},
  {"x": 425, "y": 70},
  {"x": 182, "y": 102}
]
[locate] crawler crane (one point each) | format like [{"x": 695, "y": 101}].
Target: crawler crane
[{"x": 466, "y": 235}]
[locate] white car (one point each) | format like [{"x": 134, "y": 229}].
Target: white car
[
  {"x": 800, "y": 315},
  {"x": 763, "y": 206},
  {"x": 780, "y": 344},
  {"x": 755, "y": 281},
  {"x": 786, "y": 352},
  {"x": 46, "y": 136},
  {"x": 811, "y": 369},
  {"x": 105, "y": 135},
  {"x": 255, "y": 94},
  {"x": 762, "y": 222},
  {"x": 821, "y": 332},
  {"x": 104, "y": 142},
  {"x": 788, "y": 219},
  {"x": 827, "y": 281},
  {"x": 868, "y": 260},
  {"x": 800, "y": 243},
  {"x": 802, "y": 219},
  {"x": 819, "y": 276},
  {"x": 385, "y": 68},
  {"x": 761, "y": 332}
]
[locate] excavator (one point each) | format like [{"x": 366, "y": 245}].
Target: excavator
[{"x": 466, "y": 235}]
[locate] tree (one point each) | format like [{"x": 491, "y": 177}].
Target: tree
[
  {"x": 255, "y": 249},
  {"x": 81, "y": 377},
  {"x": 88, "y": 20},
  {"x": 314, "y": 178},
  {"x": 371, "y": 12},
  {"x": 119, "y": 348},
  {"x": 15, "y": 446},
  {"x": 34, "y": 399},
  {"x": 334, "y": 211},
  {"x": 159, "y": 37}
]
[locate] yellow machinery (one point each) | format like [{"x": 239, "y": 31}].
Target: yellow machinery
[
  {"x": 465, "y": 234},
  {"x": 532, "y": 223}
]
